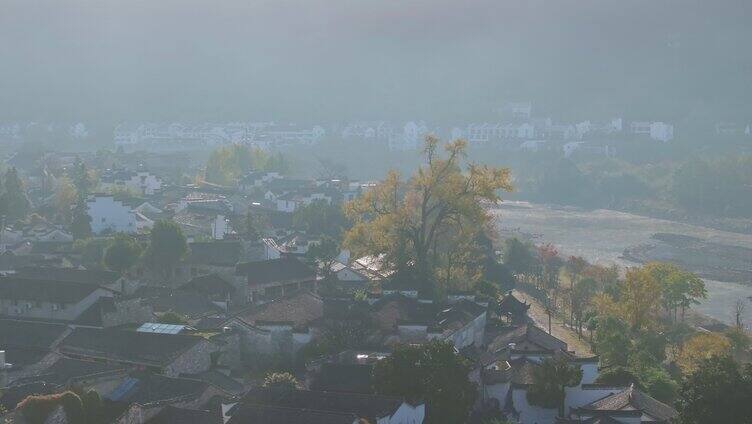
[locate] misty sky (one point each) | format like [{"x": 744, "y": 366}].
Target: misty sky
[{"x": 331, "y": 60}]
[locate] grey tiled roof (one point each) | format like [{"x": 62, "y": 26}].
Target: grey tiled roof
[
  {"x": 127, "y": 346},
  {"x": 361, "y": 405},
  {"x": 633, "y": 399},
  {"x": 275, "y": 270}
]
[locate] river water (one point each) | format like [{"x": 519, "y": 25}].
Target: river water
[{"x": 600, "y": 236}]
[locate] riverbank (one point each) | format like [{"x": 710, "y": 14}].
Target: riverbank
[
  {"x": 602, "y": 237},
  {"x": 707, "y": 259}
]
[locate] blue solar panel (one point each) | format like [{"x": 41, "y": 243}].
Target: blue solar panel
[
  {"x": 155, "y": 327},
  {"x": 123, "y": 390}
]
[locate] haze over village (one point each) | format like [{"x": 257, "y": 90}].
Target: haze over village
[{"x": 375, "y": 212}]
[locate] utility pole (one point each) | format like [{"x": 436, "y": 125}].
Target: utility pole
[{"x": 2, "y": 230}]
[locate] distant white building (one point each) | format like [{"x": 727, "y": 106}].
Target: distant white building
[
  {"x": 518, "y": 110},
  {"x": 110, "y": 215},
  {"x": 526, "y": 131},
  {"x": 79, "y": 131},
  {"x": 411, "y": 137},
  {"x": 583, "y": 128},
  {"x": 378, "y": 130},
  {"x": 141, "y": 182},
  {"x": 660, "y": 131},
  {"x": 616, "y": 125}
]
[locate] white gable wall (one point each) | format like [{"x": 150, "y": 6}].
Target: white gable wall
[
  {"x": 406, "y": 414},
  {"x": 108, "y": 214}
]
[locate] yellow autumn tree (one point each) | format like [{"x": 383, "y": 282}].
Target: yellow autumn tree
[
  {"x": 65, "y": 197},
  {"x": 699, "y": 347},
  {"x": 640, "y": 298},
  {"x": 427, "y": 226}
]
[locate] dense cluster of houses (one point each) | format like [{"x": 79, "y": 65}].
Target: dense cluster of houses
[
  {"x": 69, "y": 327},
  {"x": 245, "y": 303},
  {"x": 73, "y": 327}
]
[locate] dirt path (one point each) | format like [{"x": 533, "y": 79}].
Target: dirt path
[{"x": 537, "y": 313}]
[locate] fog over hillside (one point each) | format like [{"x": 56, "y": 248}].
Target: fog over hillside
[{"x": 115, "y": 60}]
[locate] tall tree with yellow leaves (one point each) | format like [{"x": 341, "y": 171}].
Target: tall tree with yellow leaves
[
  {"x": 427, "y": 226},
  {"x": 700, "y": 347},
  {"x": 640, "y": 298}
]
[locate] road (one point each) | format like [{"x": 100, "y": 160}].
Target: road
[{"x": 537, "y": 313}]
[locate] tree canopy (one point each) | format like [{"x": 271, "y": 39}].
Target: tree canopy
[
  {"x": 167, "y": 246},
  {"x": 718, "y": 391},
  {"x": 549, "y": 382},
  {"x": 702, "y": 346},
  {"x": 13, "y": 201},
  {"x": 428, "y": 225},
  {"x": 122, "y": 253},
  {"x": 228, "y": 163},
  {"x": 321, "y": 218},
  {"x": 80, "y": 220},
  {"x": 432, "y": 372}
]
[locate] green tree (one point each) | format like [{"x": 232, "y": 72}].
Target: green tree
[
  {"x": 740, "y": 341},
  {"x": 323, "y": 255},
  {"x": 718, "y": 391},
  {"x": 91, "y": 251},
  {"x": 679, "y": 289},
  {"x": 36, "y": 409},
  {"x": 122, "y": 253},
  {"x": 617, "y": 376},
  {"x": 432, "y": 372},
  {"x": 321, "y": 218},
  {"x": 65, "y": 198},
  {"x": 551, "y": 264},
  {"x": 550, "y": 380},
  {"x": 499, "y": 275},
  {"x": 612, "y": 341},
  {"x": 519, "y": 257},
  {"x": 92, "y": 404},
  {"x": 429, "y": 221},
  {"x": 659, "y": 384},
  {"x": 167, "y": 247},
  {"x": 13, "y": 202},
  {"x": 81, "y": 221},
  {"x": 82, "y": 179},
  {"x": 582, "y": 292}
]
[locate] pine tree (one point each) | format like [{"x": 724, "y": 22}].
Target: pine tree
[
  {"x": 13, "y": 202},
  {"x": 81, "y": 223}
]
